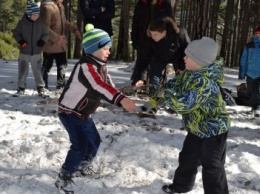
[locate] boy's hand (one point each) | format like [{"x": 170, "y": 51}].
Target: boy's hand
[
  {"x": 128, "y": 104},
  {"x": 40, "y": 43},
  {"x": 139, "y": 83},
  {"x": 23, "y": 43},
  {"x": 78, "y": 34},
  {"x": 62, "y": 41}
]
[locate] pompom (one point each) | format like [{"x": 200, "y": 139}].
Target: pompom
[{"x": 89, "y": 27}]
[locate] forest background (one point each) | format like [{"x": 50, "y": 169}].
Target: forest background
[{"x": 229, "y": 22}]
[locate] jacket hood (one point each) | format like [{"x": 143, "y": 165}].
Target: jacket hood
[{"x": 213, "y": 72}]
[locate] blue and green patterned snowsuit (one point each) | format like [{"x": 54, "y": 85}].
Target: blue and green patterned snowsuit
[{"x": 196, "y": 95}]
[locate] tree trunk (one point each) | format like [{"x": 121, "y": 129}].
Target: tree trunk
[
  {"x": 214, "y": 19},
  {"x": 67, "y": 6},
  {"x": 227, "y": 26},
  {"x": 78, "y": 42},
  {"x": 123, "y": 36},
  {"x": 202, "y": 19}
]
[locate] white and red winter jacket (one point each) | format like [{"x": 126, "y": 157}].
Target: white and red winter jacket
[{"x": 86, "y": 87}]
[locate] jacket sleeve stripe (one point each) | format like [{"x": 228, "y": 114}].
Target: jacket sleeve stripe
[{"x": 96, "y": 81}]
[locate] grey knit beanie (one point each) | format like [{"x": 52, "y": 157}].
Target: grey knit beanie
[{"x": 203, "y": 51}]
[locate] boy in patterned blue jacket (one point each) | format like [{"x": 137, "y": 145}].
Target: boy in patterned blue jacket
[
  {"x": 196, "y": 95},
  {"x": 250, "y": 69}
]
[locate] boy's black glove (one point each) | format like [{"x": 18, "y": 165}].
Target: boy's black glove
[
  {"x": 23, "y": 43},
  {"x": 40, "y": 43}
]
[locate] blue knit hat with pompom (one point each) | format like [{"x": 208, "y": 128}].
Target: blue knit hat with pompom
[
  {"x": 94, "y": 39},
  {"x": 32, "y": 8}
]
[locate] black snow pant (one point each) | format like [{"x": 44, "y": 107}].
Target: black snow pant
[
  {"x": 211, "y": 154},
  {"x": 253, "y": 89},
  {"x": 61, "y": 63}
]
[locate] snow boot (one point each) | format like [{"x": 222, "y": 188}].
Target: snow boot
[
  {"x": 20, "y": 92},
  {"x": 168, "y": 189},
  {"x": 256, "y": 115},
  {"x": 257, "y": 112},
  {"x": 42, "y": 92},
  {"x": 85, "y": 169},
  {"x": 65, "y": 184}
]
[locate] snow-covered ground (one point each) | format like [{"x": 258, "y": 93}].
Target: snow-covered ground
[{"x": 136, "y": 156}]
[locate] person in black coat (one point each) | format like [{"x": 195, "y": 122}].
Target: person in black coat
[
  {"x": 144, "y": 13},
  {"x": 99, "y": 13},
  {"x": 166, "y": 44}
]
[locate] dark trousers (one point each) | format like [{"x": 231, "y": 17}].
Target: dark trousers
[
  {"x": 211, "y": 154},
  {"x": 84, "y": 138},
  {"x": 142, "y": 62},
  {"x": 253, "y": 89},
  {"x": 61, "y": 63},
  {"x": 156, "y": 75}
]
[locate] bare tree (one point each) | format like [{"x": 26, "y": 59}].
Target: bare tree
[
  {"x": 123, "y": 36},
  {"x": 78, "y": 42}
]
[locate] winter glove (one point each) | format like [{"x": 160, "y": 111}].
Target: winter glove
[
  {"x": 23, "y": 43},
  {"x": 150, "y": 106},
  {"x": 156, "y": 100},
  {"x": 40, "y": 43}
]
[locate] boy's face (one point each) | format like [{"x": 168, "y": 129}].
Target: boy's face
[
  {"x": 190, "y": 64},
  {"x": 157, "y": 36},
  {"x": 257, "y": 34},
  {"x": 102, "y": 53},
  {"x": 35, "y": 17}
]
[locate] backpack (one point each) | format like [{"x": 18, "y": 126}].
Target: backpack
[
  {"x": 243, "y": 97},
  {"x": 228, "y": 96}
]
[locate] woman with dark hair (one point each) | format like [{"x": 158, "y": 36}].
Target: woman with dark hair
[
  {"x": 167, "y": 43},
  {"x": 145, "y": 12}
]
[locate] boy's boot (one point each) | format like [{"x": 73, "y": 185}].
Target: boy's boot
[
  {"x": 65, "y": 183},
  {"x": 41, "y": 92},
  {"x": 168, "y": 189},
  {"x": 85, "y": 169},
  {"x": 257, "y": 115},
  {"x": 20, "y": 92},
  {"x": 257, "y": 112}
]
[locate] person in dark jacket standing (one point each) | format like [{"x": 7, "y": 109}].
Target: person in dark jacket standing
[
  {"x": 31, "y": 33},
  {"x": 250, "y": 69},
  {"x": 166, "y": 44},
  {"x": 80, "y": 98},
  {"x": 99, "y": 13},
  {"x": 145, "y": 12},
  {"x": 52, "y": 12}
]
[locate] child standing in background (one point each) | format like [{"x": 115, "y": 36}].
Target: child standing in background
[
  {"x": 250, "y": 69},
  {"x": 31, "y": 33},
  {"x": 80, "y": 98}
]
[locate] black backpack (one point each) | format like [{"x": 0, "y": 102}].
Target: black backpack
[{"x": 228, "y": 96}]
